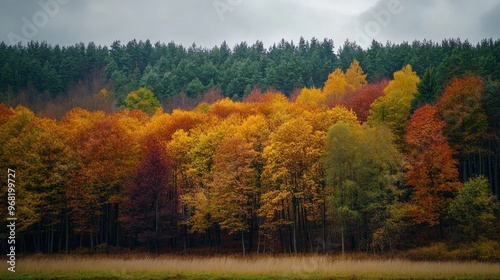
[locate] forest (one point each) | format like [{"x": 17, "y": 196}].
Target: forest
[{"x": 290, "y": 149}]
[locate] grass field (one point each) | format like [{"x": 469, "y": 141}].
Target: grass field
[{"x": 283, "y": 267}]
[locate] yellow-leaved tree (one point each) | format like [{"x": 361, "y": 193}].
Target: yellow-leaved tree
[
  {"x": 393, "y": 107},
  {"x": 336, "y": 86},
  {"x": 311, "y": 96},
  {"x": 290, "y": 157},
  {"x": 354, "y": 76},
  {"x": 339, "y": 85}
]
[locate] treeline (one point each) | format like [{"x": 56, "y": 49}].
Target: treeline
[
  {"x": 38, "y": 73},
  {"x": 351, "y": 165}
]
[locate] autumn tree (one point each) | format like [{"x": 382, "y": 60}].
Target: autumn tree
[
  {"x": 393, "y": 108},
  {"x": 311, "y": 96},
  {"x": 150, "y": 204},
  {"x": 199, "y": 199},
  {"x": 13, "y": 122},
  {"x": 37, "y": 149},
  {"x": 5, "y": 113},
  {"x": 276, "y": 107},
  {"x": 340, "y": 85},
  {"x": 105, "y": 154},
  {"x": 362, "y": 99},
  {"x": 42, "y": 159},
  {"x": 432, "y": 173},
  {"x": 178, "y": 149},
  {"x": 355, "y": 77},
  {"x": 323, "y": 120},
  {"x": 293, "y": 150},
  {"x": 336, "y": 86},
  {"x": 255, "y": 130},
  {"x": 234, "y": 185},
  {"x": 461, "y": 107}
]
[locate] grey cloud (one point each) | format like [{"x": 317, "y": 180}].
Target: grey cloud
[
  {"x": 490, "y": 23},
  {"x": 198, "y": 21},
  {"x": 427, "y": 19}
]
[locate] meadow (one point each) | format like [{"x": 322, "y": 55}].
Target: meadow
[{"x": 253, "y": 267}]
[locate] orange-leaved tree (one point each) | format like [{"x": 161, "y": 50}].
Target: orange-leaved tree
[
  {"x": 233, "y": 185},
  {"x": 432, "y": 174},
  {"x": 106, "y": 155},
  {"x": 461, "y": 107}
]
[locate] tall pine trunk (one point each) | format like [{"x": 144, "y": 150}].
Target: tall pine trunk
[{"x": 243, "y": 242}]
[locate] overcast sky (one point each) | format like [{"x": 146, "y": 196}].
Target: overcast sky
[{"x": 210, "y": 22}]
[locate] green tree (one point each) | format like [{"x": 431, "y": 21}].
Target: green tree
[
  {"x": 152, "y": 81},
  {"x": 362, "y": 166},
  {"x": 194, "y": 88},
  {"x": 142, "y": 99},
  {"x": 427, "y": 90},
  {"x": 476, "y": 211}
]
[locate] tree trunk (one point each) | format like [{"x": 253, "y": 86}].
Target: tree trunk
[
  {"x": 323, "y": 214},
  {"x": 106, "y": 226},
  {"x": 185, "y": 239},
  {"x": 52, "y": 233},
  {"x": 91, "y": 242},
  {"x": 243, "y": 242},
  {"x": 61, "y": 236},
  {"x": 258, "y": 241},
  {"x": 264, "y": 250},
  {"x": 294, "y": 219},
  {"x": 497, "y": 188},
  {"x": 251, "y": 233},
  {"x": 342, "y": 237},
  {"x": 67, "y": 234},
  {"x": 117, "y": 225}
]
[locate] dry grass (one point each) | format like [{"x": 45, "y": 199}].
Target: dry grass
[{"x": 252, "y": 265}]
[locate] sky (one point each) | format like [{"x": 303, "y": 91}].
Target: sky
[{"x": 208, "y": 23}]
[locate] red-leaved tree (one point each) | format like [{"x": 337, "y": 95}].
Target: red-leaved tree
[
  {"x": 360, "y": 101},
  {"x": 433, "y": 174},
  {"x": 150, "y": 206}
]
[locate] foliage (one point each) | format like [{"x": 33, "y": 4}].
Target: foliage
[
  {"x": 346, "y": 164},
  {"x": 150, "y": 203},
  {"x": 362, "y": 166},
  {"x": 142, "y": 99},
  {"x": 393, "y": 108},
  {"x": 461, "y": 107},
  {"x": 476, "y": 211},
  {"x": 361, "y": 100},
  {"x": 37, "y": 69},
  {"x": 311, "y": 96},
  {"x": 432, "y": 172}
]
